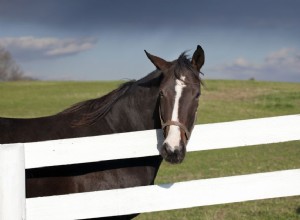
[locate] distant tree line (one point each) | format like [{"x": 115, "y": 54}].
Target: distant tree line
[{"x": 9, "y": 69}]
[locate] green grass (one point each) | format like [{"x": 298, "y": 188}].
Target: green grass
[
  {"x": 233, "y": 100},
  {"x": 220, "y": 101}
]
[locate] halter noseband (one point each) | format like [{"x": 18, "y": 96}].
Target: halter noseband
[
  {"x": 180, "y": 125},
  {"x": 176, "y": 123}
]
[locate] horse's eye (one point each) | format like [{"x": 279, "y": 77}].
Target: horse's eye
[{"x": 197, "y": 95}]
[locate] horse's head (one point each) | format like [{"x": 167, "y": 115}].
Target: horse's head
[{"x": 178, "y": 101}]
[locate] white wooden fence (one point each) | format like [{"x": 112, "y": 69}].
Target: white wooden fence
[{"x": 13, "y": 163}]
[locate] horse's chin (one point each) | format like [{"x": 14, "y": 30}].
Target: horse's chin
[{"x": 173, "y": 155}]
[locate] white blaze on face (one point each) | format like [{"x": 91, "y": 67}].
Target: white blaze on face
[{"x": 173, "y": 138}]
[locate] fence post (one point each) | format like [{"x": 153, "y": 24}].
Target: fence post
[{"x": 12, "y": 182}]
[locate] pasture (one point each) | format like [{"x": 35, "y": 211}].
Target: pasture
[{"x": 220, "y": 101}]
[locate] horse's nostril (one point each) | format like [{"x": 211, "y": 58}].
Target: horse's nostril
[
  {"x": 176, "y": 152},
  {"x": 163, "y": 150}
]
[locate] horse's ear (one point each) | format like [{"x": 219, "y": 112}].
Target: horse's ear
[
  {"x": 160, "y": 63},
  {"x": 198, "y": 58}
]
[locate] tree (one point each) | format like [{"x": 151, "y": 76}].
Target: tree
[{"x": 9, "y": 69}]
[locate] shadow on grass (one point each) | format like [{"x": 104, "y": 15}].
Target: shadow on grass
[{"x": 298, "y": 210}]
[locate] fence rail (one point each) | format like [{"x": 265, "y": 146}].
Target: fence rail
[
  {"x": 166, "y": 197},
  {"x": 148, "y": 198},
  {"x": 146, "y": 143}
]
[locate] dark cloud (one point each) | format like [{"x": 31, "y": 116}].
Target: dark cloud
[
  {"x": 227, "y": 29},
  {"x": 96, "y": 15}
]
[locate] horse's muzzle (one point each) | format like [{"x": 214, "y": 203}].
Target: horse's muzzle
[{"x": 173, "y": 155}]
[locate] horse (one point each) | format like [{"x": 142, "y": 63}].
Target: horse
[{"x": 166, "y": 98}]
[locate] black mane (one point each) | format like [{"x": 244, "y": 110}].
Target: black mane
[{"x": 94, "y": 109}]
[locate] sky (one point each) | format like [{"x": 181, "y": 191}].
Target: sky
[{"x": 105, "y": 40}]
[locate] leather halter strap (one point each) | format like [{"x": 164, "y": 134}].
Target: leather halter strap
[
  {"x": 176, "y": 123},
  {"x": 180, "y": 125}
]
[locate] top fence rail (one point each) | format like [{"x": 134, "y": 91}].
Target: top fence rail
[{"x": 147, "y": 143}]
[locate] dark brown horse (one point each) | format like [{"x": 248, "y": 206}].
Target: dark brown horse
[{"x": 167, "y": 98}]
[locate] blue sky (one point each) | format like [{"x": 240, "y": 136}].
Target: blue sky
[{"x": 105, "y": 40}]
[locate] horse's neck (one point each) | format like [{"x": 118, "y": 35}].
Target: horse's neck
[{"x": 138, "y": 110}]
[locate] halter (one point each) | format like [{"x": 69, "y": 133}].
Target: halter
[{"x": 176, "y": 123}]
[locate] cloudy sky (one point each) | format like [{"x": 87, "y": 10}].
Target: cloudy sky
[{"x": 104, "y": 40}]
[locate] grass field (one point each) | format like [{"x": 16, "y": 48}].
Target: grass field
[{"x": 220, "y": 101}]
